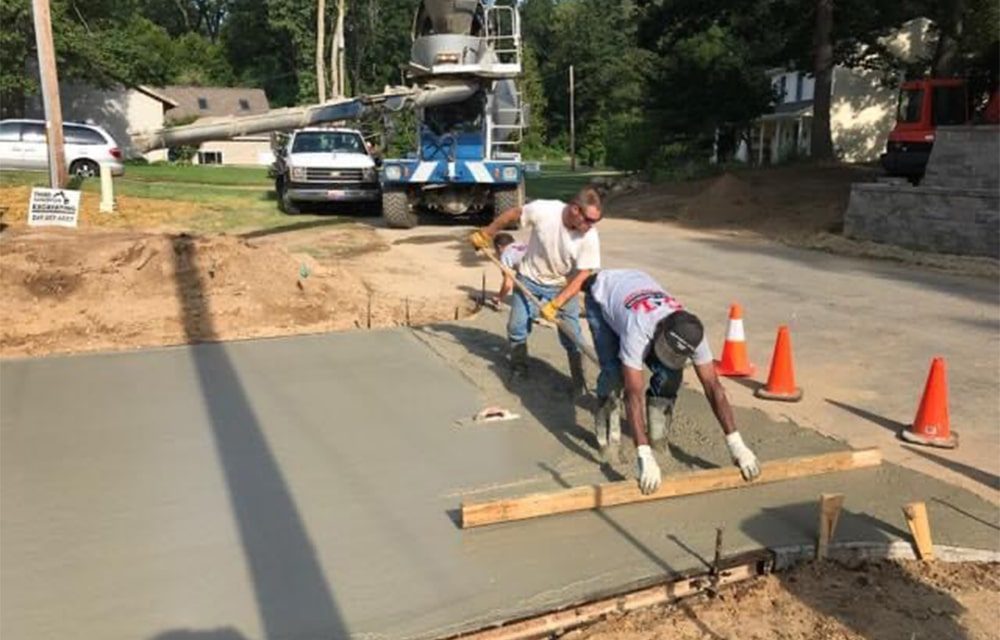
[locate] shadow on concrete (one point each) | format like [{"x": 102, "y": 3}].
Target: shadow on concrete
[
  {"x": 882, "y": 421},
  {"x": 292, "y": 594},
  {"x": 993, "y": 525},
  {"x": 536, "y": 393},
  {"x": 669, "y": 571},
  {"x": 904, "y": 602},
  {"x": 984, "y": 478}
]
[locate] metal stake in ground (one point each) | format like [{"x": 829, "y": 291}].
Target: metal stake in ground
[{"x": 562, "y": 324}]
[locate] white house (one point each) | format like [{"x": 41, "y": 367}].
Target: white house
[
  {"x": 125, "y": 111},
  {"x": 862, "y": 109},
  {"x": 121, "y": 111}
]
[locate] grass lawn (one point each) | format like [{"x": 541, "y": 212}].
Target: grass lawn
[
  {"x": 240, "y": 199},
  {"x": 557, "y": 181}
]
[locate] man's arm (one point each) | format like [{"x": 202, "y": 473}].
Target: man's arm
[
  {"x": 572, "y": 288},
  {"x": 635, "y": 403},
  {"x": 647, "y": 470},
  {"x": 741, "y": 454},
  {"x": 506, "y": 287},
  {"x": 502, "y": 221},
  {"x": 715, "y": 393}
]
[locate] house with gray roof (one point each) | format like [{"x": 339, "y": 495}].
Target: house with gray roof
[{"x": 128, "y": 111}]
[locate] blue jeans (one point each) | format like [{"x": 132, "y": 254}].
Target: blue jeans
[
  {"x": 523, "y": 312},
  {"x": 665, "y": 381}
]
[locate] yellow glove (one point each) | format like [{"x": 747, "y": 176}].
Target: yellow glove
[
  {"x": 550, "y": 310},
  {"x": 479, "y": 239}
]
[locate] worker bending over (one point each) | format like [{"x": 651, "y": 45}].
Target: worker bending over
[{"x": 635, "y": 323}]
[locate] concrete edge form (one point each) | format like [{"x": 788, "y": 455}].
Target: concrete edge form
[{"x": 737, "y": 569}]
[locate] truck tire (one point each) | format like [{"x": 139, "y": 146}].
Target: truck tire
[
  {"x": 508, "y": 198},
  {"x": 396, "y": 209},
  {"x": 284, "y": 204}
]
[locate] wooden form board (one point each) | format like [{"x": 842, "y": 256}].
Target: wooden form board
[
  {"x": 549, "y": 623},
  {"x": 627, "y": 491}
]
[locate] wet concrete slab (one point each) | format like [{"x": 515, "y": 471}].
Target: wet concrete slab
[{"x": 307, "y": 488}]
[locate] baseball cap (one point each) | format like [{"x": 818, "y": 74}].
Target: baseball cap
[{"x": 676, "y": 337}]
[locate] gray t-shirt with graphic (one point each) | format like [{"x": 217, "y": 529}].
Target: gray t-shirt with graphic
[{"x": 633, "y": 304}]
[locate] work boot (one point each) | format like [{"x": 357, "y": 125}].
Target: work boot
[
  {"x": 607, "y": 426},
  {"x": 659, "y": 416},
  {"x": 519, "y": 361},
  {"x": 578, "y": 380}
]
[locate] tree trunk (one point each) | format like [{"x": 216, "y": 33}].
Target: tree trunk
[
  {"x": 946, "y": 52},
  {"x": 822, "y": 140},
  {"x": 337, "y": 62},
  {"x": 343, "y": 58},
  {"x": 320, "y": 49}
]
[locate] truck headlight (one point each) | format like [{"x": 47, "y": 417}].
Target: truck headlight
[
  {"x": 510, "y": 173},
  {"x": 298, "y": 174},
  {"x": 393, "y": 172},
  {"x": 368, "y": 174}
]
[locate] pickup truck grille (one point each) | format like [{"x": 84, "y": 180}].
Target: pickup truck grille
[{"x": 334, "y": 175}]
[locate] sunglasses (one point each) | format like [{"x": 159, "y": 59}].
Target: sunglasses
[{"x": 586, "y": 220}]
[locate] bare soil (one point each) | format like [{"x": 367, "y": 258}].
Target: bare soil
[
  {"x": 91, "y": 289},
  {"x": 829, "y": 601},
  {"x": 800, "y": 205}
]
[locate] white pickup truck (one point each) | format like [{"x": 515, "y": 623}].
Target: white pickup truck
[{"x": 324, "y": 165}]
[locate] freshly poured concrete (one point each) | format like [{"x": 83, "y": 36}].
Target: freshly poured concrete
[{"x": 307, "y": 488}]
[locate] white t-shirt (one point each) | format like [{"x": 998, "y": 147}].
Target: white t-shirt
[
  {"x": 633, "y": 303},
  {"x": 512, "y": 254},
  {"x": 553, "y": 250}
]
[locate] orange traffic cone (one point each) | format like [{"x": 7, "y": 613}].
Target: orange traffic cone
[
  {"x": 932, "y": 426},
  {"x": 735, "y": 362},
  {"x": 781, "y": 379}
]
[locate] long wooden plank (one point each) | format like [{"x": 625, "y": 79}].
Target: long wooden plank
[
  {"x": 627, "y": 491},
  {"x": 556, "y": 621}
]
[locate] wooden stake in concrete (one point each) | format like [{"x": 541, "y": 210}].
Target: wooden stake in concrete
[
  {"x": 916, "y": 519},
  {"x": 50, "y": 92},
  {"x": 627, "y": 491},
  {"x": 829, "y": 513}
]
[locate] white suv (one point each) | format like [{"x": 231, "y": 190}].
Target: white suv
[{"x": 23, "y": 147}]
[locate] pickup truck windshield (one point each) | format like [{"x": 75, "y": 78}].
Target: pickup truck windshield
[{"x": 327, "y": 142}]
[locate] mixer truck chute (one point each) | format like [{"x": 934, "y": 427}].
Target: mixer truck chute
[{"x": 464, "y": 61}]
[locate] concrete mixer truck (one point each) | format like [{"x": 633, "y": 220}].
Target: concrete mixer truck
[{"x": 464, "y": 61}]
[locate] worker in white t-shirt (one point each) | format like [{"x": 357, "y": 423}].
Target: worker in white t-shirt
[
  {"x": 636, "y": 324},
  {"x": 563, "y": 250}
]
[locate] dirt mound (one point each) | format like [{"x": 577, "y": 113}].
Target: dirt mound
[
  {"x": 828, "y": 601},
  {"x": 130, "y": 211},
  {"x": 724, "y": 200},
  {"x": 78, "y": 290}
]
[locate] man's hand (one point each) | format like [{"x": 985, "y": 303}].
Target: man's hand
[
  {"x": 647, "y": 469},
  {"x": 480, "y": 239},
  {"x": 549, "y": 310},
  {"x": 742, "y": 456}
]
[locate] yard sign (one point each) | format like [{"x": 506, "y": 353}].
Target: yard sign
[{"x": 53, "y": 207}]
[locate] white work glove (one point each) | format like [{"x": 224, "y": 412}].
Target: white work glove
[
  {"x": 742, "y": 456},
  {"x": 647, "y": 469}
]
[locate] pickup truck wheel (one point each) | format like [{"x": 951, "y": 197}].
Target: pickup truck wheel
[
  {"x": 508, "y": 198},
  {"x": 285, "y": 204},
  {"x": 396, "y": 210}
]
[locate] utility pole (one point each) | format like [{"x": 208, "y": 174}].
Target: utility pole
[
  {"x": 50, "y": 92},
  {"x": 572, "y": 124}
]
